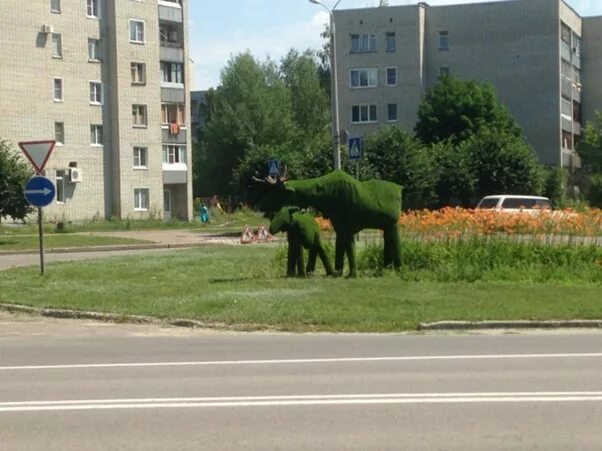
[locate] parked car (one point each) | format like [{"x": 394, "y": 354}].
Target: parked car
[{"x": 512, "y": 203}]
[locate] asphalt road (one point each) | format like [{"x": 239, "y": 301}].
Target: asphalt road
[{"x": 71, "y": 385}]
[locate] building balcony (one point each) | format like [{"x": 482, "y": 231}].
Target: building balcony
[
  {"x": 175, "y": 174},
  {"x": 170, "y": 11}
]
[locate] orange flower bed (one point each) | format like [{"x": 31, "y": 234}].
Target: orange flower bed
[{"x": 454, "y": 222}]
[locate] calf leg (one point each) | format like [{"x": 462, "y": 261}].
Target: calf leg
[
  {"x": 292, "y": 259},
  {"x": 300, "y": 262},
  {"x": 325, "y": 260},
  {"x": 393, "y": 246},
  {"x": 311, "y": 262}
]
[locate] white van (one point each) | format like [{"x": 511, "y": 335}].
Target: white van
[{"x": 513, "y": 203}]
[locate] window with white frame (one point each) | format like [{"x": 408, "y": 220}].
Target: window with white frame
[
  {"x": 96, "y": 135},
  {"x": 443, "y": 71},
  {"x": 96, "y": 93},
  {"x": 137, "y": 31},
  {"x": 140, "y": 157},
  {"x": 57, "y": 46},
  {"x": 59, "y": 132},
  {"x": 363, "y": 114},
  {"x": 172, "y": 72},
  {"x": 138, "y": 73},
  {"x": 141, "y": 196},
  {"x": 391, "y": 76},
  {"x": 94, "y": 50},
  {"x": 444, "y": 40},
  {"x": 55, "y": 6},
  {"x": 392, "y": 112},
  {"x": 390, "y": 42},
  {"x": 363, "y": 43},
  {"x": 139, "y": 116},
  {"x": 174, "y": 154},
  {"x": 173, "y": 113},
  {"x": 364, "y": 78},
  {"x": 93, "y": 8},
  {"x": 59, "y": 179},
  {"x": 57, "y": 88}
]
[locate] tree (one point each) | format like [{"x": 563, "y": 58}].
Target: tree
[
  {"x": 397, "y": 156},
  {"x": 455, "y": 109},
  {"x": 590, "y": 150},
  {"x": 14, "y": 174},
  {"x": 252, "y": 107}
]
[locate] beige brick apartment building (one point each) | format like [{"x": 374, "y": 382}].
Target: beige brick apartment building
[
  {"x": 544, "y": 60},
  {"x": 108, "y": 79}
]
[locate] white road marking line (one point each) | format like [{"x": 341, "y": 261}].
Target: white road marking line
[
  {"x": 301, "y": 361},
  {"x": 308, "y": 400}
]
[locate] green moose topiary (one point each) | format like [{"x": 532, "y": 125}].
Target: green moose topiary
[
  {"x": 301, "y": 231},
  {"x": 350, "y": 205}
]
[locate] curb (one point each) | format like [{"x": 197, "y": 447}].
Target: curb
[
  {"x": 109, "y": 317},
  {"x": 124, "y": 247},
  {"x": 480, "y": 325}
]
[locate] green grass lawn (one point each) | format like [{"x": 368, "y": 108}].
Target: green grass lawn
[
  {"x": 60, "y": 240},
  {"x": 243, "y": 287}
]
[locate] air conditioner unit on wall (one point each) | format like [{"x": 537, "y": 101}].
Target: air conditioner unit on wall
[
  {"x": 47, "y": 29},
  {"x": 75, "y": 175}
]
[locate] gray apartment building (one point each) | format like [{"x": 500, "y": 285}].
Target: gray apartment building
[
  {"x": 544, "y": 60},
  {"x": 108, "y": 80}
]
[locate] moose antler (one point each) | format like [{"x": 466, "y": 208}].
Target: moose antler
[{"x": 269, "y": 180}]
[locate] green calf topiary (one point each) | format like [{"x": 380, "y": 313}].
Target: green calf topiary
[
  {"x": 301, "y": 231},
  {"x": 350, "y": 205}
]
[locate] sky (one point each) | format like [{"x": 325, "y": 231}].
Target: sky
[{"x": 220, "y": 29}]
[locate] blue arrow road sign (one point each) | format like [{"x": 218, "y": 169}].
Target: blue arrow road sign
[
  {"x": 274, "y": 168},
  {"x": 39, "y": 191},
  {"x": 356, "y": 148}
]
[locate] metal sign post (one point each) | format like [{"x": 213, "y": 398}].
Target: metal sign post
[
  {"x": 39, "y": 191},
  {"x": 356, "y": 152}
]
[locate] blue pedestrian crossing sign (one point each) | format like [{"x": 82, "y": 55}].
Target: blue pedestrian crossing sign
[
  {"x": 274, "y": 168},
  {"x": 356, "y": 148},
  {"x": 40, "y": 191}
]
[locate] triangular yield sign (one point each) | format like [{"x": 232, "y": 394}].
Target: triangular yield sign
[{"x": 37, "y": 152}]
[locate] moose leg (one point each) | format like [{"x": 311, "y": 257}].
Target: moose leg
[
  {"x": 300, "y": 262},
  {"x": 339, "y": 254},
  {"x": 311, "y": 262},
  {"x": 387, "y": 251},
  {"x": 292, "y": 259},
  {"x": 393, "y": 245},
  {"x": 350, "y": 250},
  {"x": 325, "y": 260}
]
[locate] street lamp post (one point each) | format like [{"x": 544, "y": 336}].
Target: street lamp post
[{"x": 336, "y": 150}]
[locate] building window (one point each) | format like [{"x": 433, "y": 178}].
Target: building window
[
  {"x": 444, "y": 40},
  {"x": 60, "y": 186},
  {"x": 576, "y": 44},
  {"x": 443, "y": 71},
  {"x": 94, "y": 50},
  {"x": 93, "y": 8},
  {"x": 392, "y": 112},
  {"x": 567, "y": 108},
  {"x": 174, "y": 154},
  {"x": 172, "y": 113},
  {"x": 138, "y": 73},
  {"x": 363, "y": 43},
  {"x": 137, "y": 31},
  {"x": 58, "y": 90},
  {"x": 363, "y": 114},
  {"x": 96, "y": 93},
  {"x": 57, "y": 47},
  {"x": 172, "y": 73},
  {"x": 576, "y": 111},
  {"x": 364, "y": 78},
  {"x": 168, "y": 35},
  {"x": 565, "y": 33},
  {"x": 567, "y": 140},
  {"x": 140, "y": 157},
  {"x": 55, "y": 6},
  {"x": 59, "y": 132},
  {"x": 139, "y": 115},
  {"x": 96, "y": 136},
  {"x": 391, "y": 76},
  {"x": 141, "y": 199},
  {"x": 390, "y": 42}
]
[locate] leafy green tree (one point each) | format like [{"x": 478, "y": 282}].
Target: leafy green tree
[
  {"x": 397, "y": 156},
  {"x": 456, "y": 178},
  {"x": 590, "y": 150},
  {"x": 14, "y": 173},
  {"x": 455, "y": 109},
  {"x": 252, "y": 107}
]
